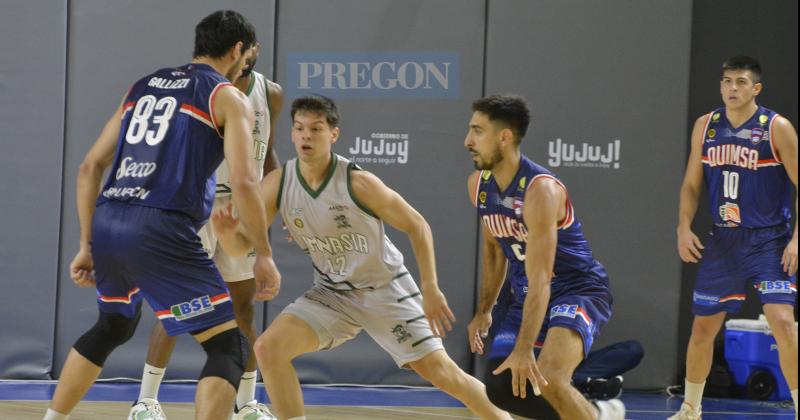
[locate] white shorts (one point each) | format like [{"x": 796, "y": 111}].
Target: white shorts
[
  {"x": 233, "y": 269},
  {"x": 392, "y": 315}
]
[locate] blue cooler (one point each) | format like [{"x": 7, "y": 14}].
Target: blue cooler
[{"x": 752, "y": 356}]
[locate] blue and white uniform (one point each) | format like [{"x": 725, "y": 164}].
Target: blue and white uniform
[
  {"x": 158, "y": 194},
  {"x": 580, "y": 298},
  {"x": 750, "y": 199}
]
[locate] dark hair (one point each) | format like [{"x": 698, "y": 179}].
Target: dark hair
[
  {"x": 510, "y": 110},
  {"x": 743, "y": 62},
  {"x": 318, "y": 104},
  {"x": 220, "y": 31}
]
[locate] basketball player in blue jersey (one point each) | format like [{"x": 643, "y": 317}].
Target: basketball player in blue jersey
[
  {"x": 139, "y": 232},
  {"x": 558, "y": 295},
  {"x": 747, "y": 156},
  {"x": 266, "y": 98}
]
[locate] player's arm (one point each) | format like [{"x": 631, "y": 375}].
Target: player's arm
[
  {"x": 689, "y": 244},
  {"x": 275, "y": 101},
  {"x": 235, "y": 114},
  {"x": 784, "y": 139},
  {"x": 90, "y": 175},
  {"x": 390, "y": 207},
  {"x": 545, "y": 201},
  {"x": 227, "y": 228},
  {"x": 493, "y": 269},
  {"x": 545, "y": 205}
]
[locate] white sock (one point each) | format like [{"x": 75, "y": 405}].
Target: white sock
[
  {"x": 298, "y": 418},
  {"x": 794, "y": 397},
  {"x": 247, "y": 389},
  {"x": 55, "y": 415},
  {"x": 693, "y": 394},
  {"x": 151, "y": 381}
]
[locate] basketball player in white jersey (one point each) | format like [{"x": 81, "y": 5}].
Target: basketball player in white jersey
[
  {"x": 266, "y": 97},
  {"x": 335, "y": 212}
]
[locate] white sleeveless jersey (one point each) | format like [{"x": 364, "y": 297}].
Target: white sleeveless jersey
[
  {"x": 257, "y": 93},
  {"x": 347, "y": 244}
]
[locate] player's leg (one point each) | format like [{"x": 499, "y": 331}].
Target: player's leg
[
  {"x": 719, "y": 289},
  {"x": 238, "y": 275},
  {"x": 188, "y": 294},
  {"x": 159, "y": 350},
  {"x": 782, "y": 323},
  {"x": 392, "y": 315},
  {"x": 563, "y": 350},
  {"x": 119, "y": 304},
  {"x": 87, "y": 356},
  {"x": 286, "y": 338},
  {"x": 226, "y": 349},
  {"x": 778, "y": 293},
  {"x": 440, "y": 370}
]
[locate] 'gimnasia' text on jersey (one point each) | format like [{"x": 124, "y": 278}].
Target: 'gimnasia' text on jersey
[
  {"x": 501, "y": 213},
  {"x": 347, "y": 243},
  {"x": 747, "y": 183},
  {"x": 169, "y": 144}
]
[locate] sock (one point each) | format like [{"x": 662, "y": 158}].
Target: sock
[
  {"x": 247, "y": 389},
  {"x": 794, "y": 397},
  {"x": 151, "y": 381},
  {"x": 298, "y": 418},
  {"x": 55, "y": 415},
  {"x": 693, "y": 394}
]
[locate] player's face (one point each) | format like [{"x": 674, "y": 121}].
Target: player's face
[
  {"x": 738, "y": 89},
  {"x": 312, "y": 136},
  {"x": 250, "y": 63},
  {"x": 483, "y": 142},
  {"x": 239, "y": 64}
]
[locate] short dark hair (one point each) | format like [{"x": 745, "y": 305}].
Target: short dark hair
[
  {"x": 318, "y": 104},
  {"x": 743, "y": 62},
  {"x": 511, "y": 110},
  {"x": 220, "y": 31}
]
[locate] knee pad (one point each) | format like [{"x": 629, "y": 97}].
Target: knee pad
[
  {"x": 109, "y": 332},
  {"x": 227, "y": 353}
]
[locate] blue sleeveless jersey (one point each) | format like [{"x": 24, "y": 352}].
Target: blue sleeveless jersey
[
  {"x": 747, "y": 183},
  {"x": 169, "y": 145},
  {"x": 501, "y": 213}
]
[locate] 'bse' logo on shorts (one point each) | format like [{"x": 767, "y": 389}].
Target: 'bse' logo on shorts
[
  {"x": 564, "y": 310},
  {"x": 767, "y": 287},
  {"x": 192, "y": 308}
]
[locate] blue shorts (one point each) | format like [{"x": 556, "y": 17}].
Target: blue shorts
[
  {"x": 736, "y": 257},
  {"x": 144, "y": 252},
  {"x": 581, "y": 303}
]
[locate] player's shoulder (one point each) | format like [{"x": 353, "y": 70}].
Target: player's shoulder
[{"x": 360, "y": 177}]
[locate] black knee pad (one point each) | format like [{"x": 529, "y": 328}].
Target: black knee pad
[
  {"x": 227, "y": 354},
  {"x": 109, "y": 332},
  {"x": 498, "y": 389}
]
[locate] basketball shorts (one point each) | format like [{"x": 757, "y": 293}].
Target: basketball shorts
[
  {"x": 581, "y": 303},
  {"x": 144, "y": 252},
  {"x": 735, "y": 258},
  {"x": 392, "y": 315},
  {"x": 233, "y": 269}
]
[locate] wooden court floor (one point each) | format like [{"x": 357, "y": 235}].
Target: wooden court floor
[{"x": 90, "y": 410}]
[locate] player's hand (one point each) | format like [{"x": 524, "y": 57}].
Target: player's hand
[
  {"x": 438, "y": 313},
  {"x": 477, "y": 330},
  {"x": 223, "y": 221},
  {"x": 81, "y": 269},
  {"x": 789, "y": 258},
  {"x": 523, "y": 368},
  {"x": 689, "y": 246},
  {"x": 268, "y": 278}
]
